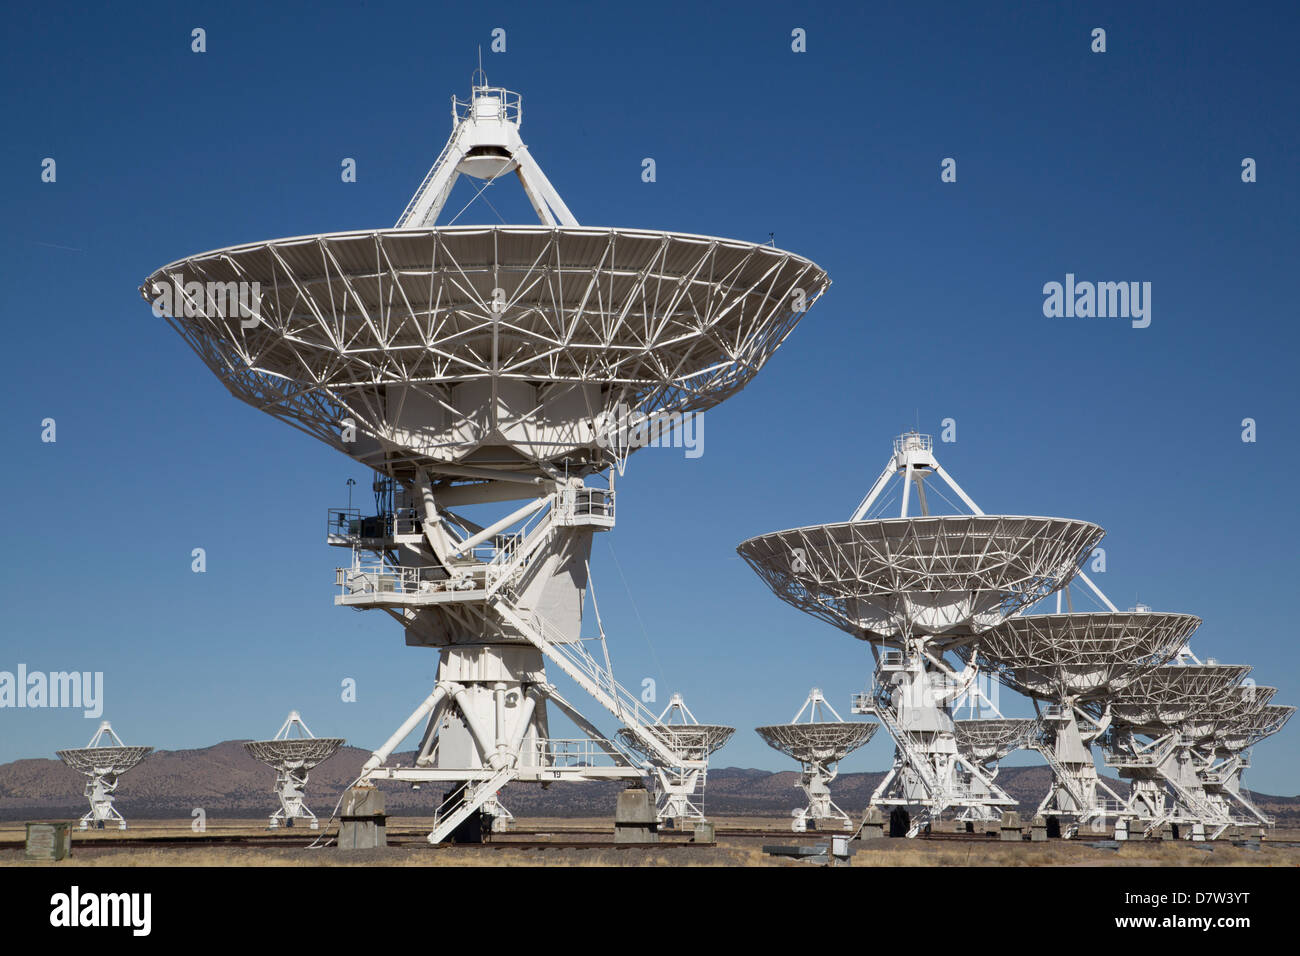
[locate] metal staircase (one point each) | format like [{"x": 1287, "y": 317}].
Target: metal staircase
[
  {"x": 572, "y": 658},
  {"x": 466, "y": 800}
]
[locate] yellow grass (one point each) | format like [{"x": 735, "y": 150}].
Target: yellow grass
[{"x": 112, "y": 848}]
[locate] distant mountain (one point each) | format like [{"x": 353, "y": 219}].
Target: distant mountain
[{"x": 226, "y": 782}]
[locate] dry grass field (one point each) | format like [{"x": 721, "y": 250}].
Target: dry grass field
[{"x": 184, "y": 847}]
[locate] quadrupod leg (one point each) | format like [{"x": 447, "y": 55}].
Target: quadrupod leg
[{"x": 498, "y": 733}]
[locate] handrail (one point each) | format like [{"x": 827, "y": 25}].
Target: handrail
[
  {"x": 574, "y": 660},
  {"x": 510, "y": 109},
  {"x": 471, "y": 796},
  {"x": 424, "y": 183}
]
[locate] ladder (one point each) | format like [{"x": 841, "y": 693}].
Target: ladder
[
  {"x": 922, "y": 767},
  {"x": 424, "y": 184},
  {"x": 1063, "y": 779}
]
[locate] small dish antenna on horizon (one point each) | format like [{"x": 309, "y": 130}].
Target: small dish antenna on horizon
[
  {"x": 293, "y": 757},
  {"x": 819, "y": 744},
  {"x": 103, "y": 762}
]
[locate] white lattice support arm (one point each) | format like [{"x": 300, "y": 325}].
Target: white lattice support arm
[
  {"x": 1097, "y": 591},
  {"x": 874, "y": 493},
  {"x": 492, "y": 530},
  {"x": 428, "y": 204},
  {"x": 952, "y": 483},
  {"x": 535, "y": 181},
  {"x": 383, "y": 753}
]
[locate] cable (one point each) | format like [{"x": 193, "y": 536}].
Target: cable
[{"x": 636, "y": 611}]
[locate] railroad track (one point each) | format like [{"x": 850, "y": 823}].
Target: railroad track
[{"x": 401, "y": 839}]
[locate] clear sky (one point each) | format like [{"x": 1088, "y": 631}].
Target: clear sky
[{"x": 1116, "y": 166}]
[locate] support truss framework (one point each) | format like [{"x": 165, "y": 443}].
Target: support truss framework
[
  {"x": 293, "y": 752},
  {"x": 819, "y": 744},
  {"x": 1158, "y": 721},
  {"x": 104, "y": 759},
  {"x": 918, "y": 587},
  {"x": 1075, "y": 663},
  {"x": 680, "y": 781},
  {"x": 471, "y": 365}
]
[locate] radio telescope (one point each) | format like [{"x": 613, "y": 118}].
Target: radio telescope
[
  {"x": 1229, "y": 756},
  {"x": 103, "y": 760},
  {"x": 1157, "y": 721},
  {"x": 474, "y": 365},
  {"x": 985, "y": 741},
  {"x": 680, "y": 780},
  {"x": 1075, "y": 663},
  {"x": 917, "y": 587},
  {"x": 819, "y": 744},
  {"x": 293, "y": 757}
]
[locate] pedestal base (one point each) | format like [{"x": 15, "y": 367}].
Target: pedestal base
[
  {"x": 363, "y": 824},
  {"x": 634, "y": 817}
]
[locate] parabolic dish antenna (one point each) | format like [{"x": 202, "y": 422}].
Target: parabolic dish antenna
[
  {"x": 1250, "y": 729},
  {"x": 1085, "y": 655},
  {"x": 1167, "y": 697},
  {"x": 471, "y": 365},
  {"x": 293, "y": 757},
  {"x": 945, "y": 577},
  {"x": 923, "y": 585},
  {"x": 1077, "y": 661},
  {"x": 103, "y": 762},
  {"x": 1159, "y": 720},
  {"x": 989, "y": 739},
  {"x": 680, "y": 780},
  {"x": 510, "y": 347},
  {"x": 1238, "y": 706},
  {"x": 819, "y": 744},
  {"x": 1223, "y": 761}
]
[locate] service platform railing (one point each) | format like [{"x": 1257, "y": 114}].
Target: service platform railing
[{"x": 349, "y": 526}]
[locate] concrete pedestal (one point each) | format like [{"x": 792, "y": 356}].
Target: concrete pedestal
[
  {"x": 873, "y": 824},
  {"x": 48, "y": 841},
  {"x": 363, "y": 824},
  {"x": 634, "y": 817},
  {"x": 1038, "y": 830},
  {"x": 1009, "y": 828}
]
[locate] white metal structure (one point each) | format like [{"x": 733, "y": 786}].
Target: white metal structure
[
  {"x": 103, "y": 760},
  {"x": 472, "y": 366},
  {"x": 680, "y": 781},
  {"x": 819, "y": 744},
  {"x": 1226, "y": 758},
  {"x": 1074, "y": 663},
  {"x": 1158, "y": 720},
  {"x": 917, "y": 587},
  {"x": 485, "y": 144},
  {"x": 985, "y": 741},
  {"x": 293, "y": 752}
]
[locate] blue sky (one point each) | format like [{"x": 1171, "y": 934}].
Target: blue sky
[{"x": 1122, "y": 166}]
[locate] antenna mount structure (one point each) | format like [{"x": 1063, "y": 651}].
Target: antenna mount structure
[
  {"x": 496, "y": 378},
  {"x": 679, "y": 781},
  {"x": 819, "y": 744},
  {"x": 1162, "y": 723},
  {"x": 917, "y": 587},
  {"x": 1073, "y": 664},
  {"x": 293, "y": 752},
  {"x": 103, "y": 760}
]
